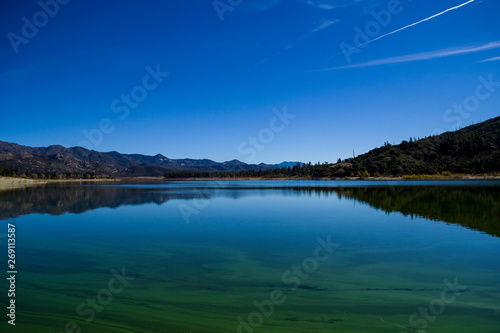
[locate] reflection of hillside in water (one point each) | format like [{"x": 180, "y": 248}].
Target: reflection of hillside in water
[
  {"x": 473, "y": 207},
  {"x": 57, "y": 200}
]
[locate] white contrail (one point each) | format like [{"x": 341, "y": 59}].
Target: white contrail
[
  {"x": 426, "y": 19},
  {"x": 426, "y": 56},
  {"x": 490, "y": 59},
  {"x": 403, "y": 28}
]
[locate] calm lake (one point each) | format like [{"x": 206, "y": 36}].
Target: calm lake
[{"x": 255, "y": 256}]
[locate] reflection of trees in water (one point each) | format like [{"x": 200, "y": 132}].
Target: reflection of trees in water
[{"x": 473, "y": 207}]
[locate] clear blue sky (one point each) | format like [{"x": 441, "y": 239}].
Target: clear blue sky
[{"x": 231, "y": 66}]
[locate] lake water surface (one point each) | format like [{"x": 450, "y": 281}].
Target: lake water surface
[{"x": 256, "y": 256}]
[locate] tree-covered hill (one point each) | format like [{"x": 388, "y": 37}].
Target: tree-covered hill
[{"x": 472, "y": 150}]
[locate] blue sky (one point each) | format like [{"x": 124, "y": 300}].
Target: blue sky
[{"x": 349, "y": 75}]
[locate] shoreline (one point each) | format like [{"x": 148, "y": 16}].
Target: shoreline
[
  {"x": 342, "y": 179},
  {"x": 9, "y": 183}
]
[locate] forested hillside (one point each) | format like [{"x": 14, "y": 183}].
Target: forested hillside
[{"x": 471, "y": 150}]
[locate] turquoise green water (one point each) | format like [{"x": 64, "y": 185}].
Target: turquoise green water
[{"x": 256, "y": 257}]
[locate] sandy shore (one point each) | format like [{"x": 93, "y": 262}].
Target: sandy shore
[
  {"x": 7, "y": 183},
  {"x": 10, "y": 183}
]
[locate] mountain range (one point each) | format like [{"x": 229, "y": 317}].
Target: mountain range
[
  {"x": 474, "y": 150},
  {"x": 78, "y": 160}
]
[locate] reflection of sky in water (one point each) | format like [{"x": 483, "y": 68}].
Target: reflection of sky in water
[{"x": 254, "y": 219}]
